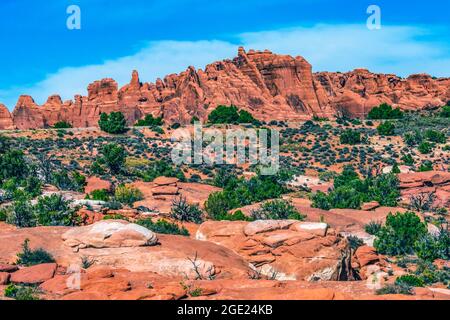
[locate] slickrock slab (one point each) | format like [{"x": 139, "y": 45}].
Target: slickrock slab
[
  {"x": 35, "y": 274},
  {"x": 110, "y": 234},
  {"x": 165, "y": 181}
]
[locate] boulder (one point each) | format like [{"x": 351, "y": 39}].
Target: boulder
[
  {"x": 366, "y": 255},
  {"x": 316, "y": 228},
  {"x": 4, "y": 278},
  {"x": 8, "y": 268},
  {"x": 109, "y": 234},
  {"x": 368, "y": 206},
  {"x": 165, "y": 181},
  {"x": 95, "y": 183},
  {"x": 34, "y": 274},
  {"x": 284, "y": 249}
]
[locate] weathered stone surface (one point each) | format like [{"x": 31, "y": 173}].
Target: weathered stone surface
[
  {"x": 35, "y": 274},
  {"x": 165, "y": 181},
  {"x": 109, "y": 234},
  {"x": 366, "y": 255},
  {"x": 271, "y": 86},
  {"x": 95, "y": 183},
  {"x": 4, "y": 278},
  {"x": 284, "y": 249}
]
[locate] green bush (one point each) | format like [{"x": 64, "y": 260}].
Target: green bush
[
  {"x": 400, "y": 234},
  {"x": 128, "y": 195},
  {"x": 163, "y": 227},
  {"x": 386, "y": 129},
  {"x": 230, "y": 115},
  {"x": 21, "y": 293},
  {"x": 277, "y": 210},
  {"x": 445, "y": 113},
  {"x": 425, "y": 147},
  {"x": 113, "y": 123},
  {"x": 384, "y": 112},
  {"x": 395, "y": 289},
  {"x": 426, "y": 166},
  {"x": 13, "y": 165},
  {"x": 350, "y": 191},
  {"x": 99, "y": 195},
  {"x": 435, "y": 136},
  {"x": 54, "y": 210},
  {"x": 62, "y": 125},
  {"x": 410, "y": 280},
  {"x": 30, "y": 257},
  {"x": 21, "y": 214},
  {"x": 161, "y": 169},
  {"x": 182, "y": 211},
  {"x": 408, "y": 160},
  {"x": 373, "y": 228},
  {"x": 66, "y": 180},
  {"x": 149, "y": 121},
  {"x": 114, "y": 157},
  {"x": 350, "y": 137},
  {"x": 431, "y": 247}
]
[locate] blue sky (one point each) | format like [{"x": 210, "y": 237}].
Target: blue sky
[{"x": 40, "y": 56}]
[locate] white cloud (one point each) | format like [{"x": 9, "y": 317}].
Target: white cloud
[{"x": 393, "y": 49}]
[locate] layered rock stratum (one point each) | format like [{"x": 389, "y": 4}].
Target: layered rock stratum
[{"x": 270, "y": 86}]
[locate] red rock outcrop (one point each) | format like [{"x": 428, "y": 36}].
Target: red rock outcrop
[
  {"x": 272, "y": 87},
  {"x": 6, "y": 122}
]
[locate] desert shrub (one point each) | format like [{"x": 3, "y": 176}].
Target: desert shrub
[
  {"x": 430, "y": 274},
  {"x": 408, "y": 160},
  {"x": 29, "y": 257},
  {"x": 33, "y": 186},
  {"x": 62, "y": 125},
  {"x": 386, "y": 129},
  {"x": 350, "y": 191},
  {"x": 127, "y": 194},
  {"x": 413, "y": 138},
  {"x": 164, "y": 227},
  {"x": 195, "y": 119},
  {"x": 99, "y": 195},
  {"x": 351, "y": 137},
  {"x": 400, "y": 233},
  {"x": 113, "y": 205},
  {"x": 425, "y": 147},
  {"x": 183, "y": 211},
  {"x": 240, "y": 192},
  {"x": 435, "y": 136},
  {"x": 422, "y": 201},
  {"x": 114, "y": 157},
  {"x": 54, "y": 210},
  {"x": 217, "y": 205},
  {"x": 237, "y": 216},
  {"x": 21, "y": 214},
  {"x": 13, "y": 165},
  {"x": 395, "y": 289},
  {"x": 410, "y": 280},
  {"x": 66, "y": 180},
  {"x": 425, "y": 166},
  {"x": 277, "y": 210},
  {"x": 385, "y": 111},
  {"x": 113, "y": 123},
  {"x": 21, "y": 293},
  {"x": 230, "y": 115},
  {"x": 161, "y": 169},
  {"x": 373, "y": 227},
  {"x": 355, "y": 242},
  {"x": 445, "y": 113},
  {"x": 431, "y": 247},
  {"x": 149, "y": 121}
]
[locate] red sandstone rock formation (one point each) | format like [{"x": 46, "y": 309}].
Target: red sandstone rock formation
[
  {"x": 6, "y": 122},
  {"x": 272, "y": 87}
]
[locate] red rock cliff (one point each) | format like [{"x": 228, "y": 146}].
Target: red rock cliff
[{"x": 272, "y": 87}]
